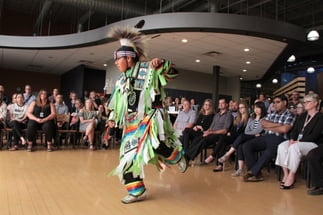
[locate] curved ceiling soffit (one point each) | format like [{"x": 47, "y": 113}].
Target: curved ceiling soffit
[{"x": 166, "y": 22}]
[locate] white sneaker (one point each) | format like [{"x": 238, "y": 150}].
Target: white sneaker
[
  {"x": 182, "y": 164},
  {"x": 131, "y": 199}
]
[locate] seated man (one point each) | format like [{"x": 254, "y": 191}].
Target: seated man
[
  {"x": 276, "y": 125},
  {"x": 315, "y": 157},
  {"x": 185, "y": 118},
  {"x": 220, "y": 125},
  {"x": 60, "y": 108}
]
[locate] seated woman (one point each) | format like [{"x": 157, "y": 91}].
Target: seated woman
[
  {"x": 252, "y": 130},
  {"x": 88, "y": 122},
  {"x": 41, "y": 114},
  {"x": 18, "y": 120},
  {"x": 3, "y": 113},
  {"x": 75, "y": 120},
  {"x": 202, "y": 123},
  {"x": 305, "y": 135},
  {"x": 238, "y": 126}
]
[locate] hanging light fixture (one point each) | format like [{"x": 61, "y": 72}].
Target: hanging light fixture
[
  {"x": 292, "y": 58},
  {"x": 310, "y": 69},
  {"x": 313, "y": 35}
]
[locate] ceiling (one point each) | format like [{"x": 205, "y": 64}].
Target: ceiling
[{"x": 226, "y": 50}]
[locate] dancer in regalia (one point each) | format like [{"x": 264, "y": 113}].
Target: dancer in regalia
[{"x": 137, "y": 105}]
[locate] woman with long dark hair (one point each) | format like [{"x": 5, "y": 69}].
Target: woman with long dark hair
[
  {"x": 252, "y": 130},
  {"x": 41, "y": 114}
]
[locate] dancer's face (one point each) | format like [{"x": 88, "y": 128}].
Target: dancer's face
[{"x": 123, "y": 63}]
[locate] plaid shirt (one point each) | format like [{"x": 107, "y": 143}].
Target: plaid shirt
[{"x": 285, "y": 118}]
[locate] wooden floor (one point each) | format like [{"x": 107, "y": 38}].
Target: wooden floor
[{"x": 75, "y": 182}]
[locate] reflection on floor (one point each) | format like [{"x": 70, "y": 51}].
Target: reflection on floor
[{"x": 70, "y": 182}]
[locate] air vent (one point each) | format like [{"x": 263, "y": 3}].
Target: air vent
[
  {"x": 34, "y": 67},
  {"x": 212, "y": 53},
  {"x": 86, "y": 62}
]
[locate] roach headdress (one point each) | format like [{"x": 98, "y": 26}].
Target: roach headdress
[{"x": 132, "y": 43}]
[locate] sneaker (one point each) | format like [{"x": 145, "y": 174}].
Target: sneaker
[
  {"x": 182, "y": 164},
  {"x": 316, "y": 191},
  {"x": 237, "y": 173},
  {"x": 131, "y": 199}
]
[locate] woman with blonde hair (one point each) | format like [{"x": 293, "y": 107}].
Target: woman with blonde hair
[
  {"x": 41, "y": 114},
  {"x": 88, "y": 122},
  {"x": 252, "y": 130},
  {"x": 237, "y": 128},
  {"x": 306, "y": 134}
]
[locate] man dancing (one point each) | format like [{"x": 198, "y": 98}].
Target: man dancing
[{"x": 136, "y": 104}]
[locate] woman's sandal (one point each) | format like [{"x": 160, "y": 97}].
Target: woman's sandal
[
  {"x": 14, "y": 148},
  {"x": 223, "y": 159}
]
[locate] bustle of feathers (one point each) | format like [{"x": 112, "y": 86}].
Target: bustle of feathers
[{"x": 130, "y": 37}]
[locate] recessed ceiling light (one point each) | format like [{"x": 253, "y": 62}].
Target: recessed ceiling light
[
  {"x": 275, "y": 81},
  {"x": 197, "y": 60},
  {"x": 310, "y": 69},
  {"x": 184, "y": 40},
  {"x": 248, "y": 62},
  {"x": 241, "y": 78},
  {"x": 105, "y": 65},
  {"x": 258, "y": 85},
  {"x": 246, "y": 50},
  {"x": 244, "y": 70}
]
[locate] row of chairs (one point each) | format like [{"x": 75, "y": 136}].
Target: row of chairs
[{"x": 64, "y": 137}]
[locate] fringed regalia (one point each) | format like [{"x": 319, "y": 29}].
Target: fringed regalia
[{"x": 136, "y": 105}]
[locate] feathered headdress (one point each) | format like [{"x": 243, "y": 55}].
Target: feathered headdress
[{"x": 132, "y": 42}]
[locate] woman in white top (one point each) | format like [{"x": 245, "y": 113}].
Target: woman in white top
[{"x": 17, "y": 121}]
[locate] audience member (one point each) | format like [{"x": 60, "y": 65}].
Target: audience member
[
  {"x": 234, "y": 109},
  {"x": 109, "y": 133},
  {"x": 3, "y": 113},
  {"x": 300, "y": 108},
  {"x": 262, "y": 98},
  {"x": 220, "y": 125},
  {"x": 237, "y": 128},
  {"x": 41, "y": 114},
  {"x": 315, "y": 167},
  {"x": 18, "y": 119},
  {"x": 276, "y": 126},
  {"x": 88, "y": 122},
  {"x": 95, "y": 99},
  {"x": 194, "y": 106},
  {"x": 70, "y": 102},
  {"x": 60, "y": 107},
  {"x": 294, "y": 100},
  {"x": 305, "y": 135},
  {"x": 28, "y": 96},
  {"x": 253, "y": 129},
  {"x": 52, "y": 98},
  {"x": 3, "y": 95},
  {"x": 185, "y": 118},
  {"x": 202, "y": 123}
]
